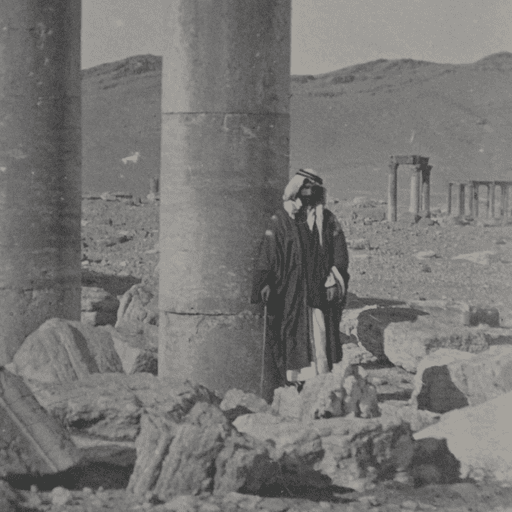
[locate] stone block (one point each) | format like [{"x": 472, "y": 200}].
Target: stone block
[
  {"x": 350, "y": 452},
  {"x": 450, "y": 379},
  {"x": 98, "y": 301},
  {"x": 63, "y": 350},
  {"x": 344, "y": 391},
  {"x": 479, "y": 438},
  {"x": 109, "y": 406},
  {"x": 32, "y": 442}
]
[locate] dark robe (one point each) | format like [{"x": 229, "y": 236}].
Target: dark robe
[{"x": 296, "y": 267}]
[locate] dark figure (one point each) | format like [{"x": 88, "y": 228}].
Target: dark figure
[{"x": 302, "y": 275}]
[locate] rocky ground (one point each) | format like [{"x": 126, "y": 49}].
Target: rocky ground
[{"x": 120, "y": 248}]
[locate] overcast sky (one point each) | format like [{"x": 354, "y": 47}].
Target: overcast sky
[{"x": 326, "y": 34}]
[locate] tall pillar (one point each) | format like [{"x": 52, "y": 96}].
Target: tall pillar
[
  {"x": 40, "y": 158},
  {"x": 504, "y": 202},
  {"x": 493, "y": 200},
  {"x": 392, "y": 191},
  {"x": 425, "y": 190},
  {"x": 488, "y": 200},
  {"x": 450, "y": 198},
  {"x": 415, "y": 190},
  {"x": 462, "y": 199},
  {"x": 476, "y": 200},
  {"x": 225, "y": 145},
  {"x": 471, "y": 197}
]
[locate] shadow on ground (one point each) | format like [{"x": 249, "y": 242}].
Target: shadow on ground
[{"x": 115, "y": 285}]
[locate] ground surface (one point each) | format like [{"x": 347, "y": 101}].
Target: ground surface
[{"x": 120, "y": 248}]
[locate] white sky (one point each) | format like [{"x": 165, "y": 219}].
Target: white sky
[{"x": 326, "y": 34}]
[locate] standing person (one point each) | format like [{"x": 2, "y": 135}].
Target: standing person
[{"x": 302, "y": 275}]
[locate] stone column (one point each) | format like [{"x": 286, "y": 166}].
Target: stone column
[
  {"x": 462, "y": 199},
  {"x": 504, "y": 203},
  {"x": 392, "y": 191},
  {"x": 471, "y": 197},
  {"x": 40, "y": 159},
  {"x": 493, "y": 200},
  {"x": 475, "y": 196},
  {"x": 415, "y": 190},
  {"x": 425, "y": 190},
  {"x": 225, "y": 145}
]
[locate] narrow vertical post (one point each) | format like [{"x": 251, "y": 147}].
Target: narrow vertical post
[
  {"x": 415, "y": 189},
  {"x": 462, "y": 199},
  {"x": 476, "y": 199},
  {"x": 40, "y": 160},
  {"x": 471, "y": 197},
  {"x": 450, "y": 184},
  {"x": 493, "y": 199},
  {"x": 392, "y": 190},
  {"x": 487, "y": 200},
  {"x": 225, "y": 133},
  {"x": 425, "y": 190},
  {"x": 504, "y": 202}
]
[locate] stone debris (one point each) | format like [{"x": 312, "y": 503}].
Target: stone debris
[
  {"x": 203, "y": 453},
  {"x": 359, "y": 244},
  {"x": 98, "y": 306},
  {"x": 10, "y": 501},
  {"x": 109, "y": 406},
  {"x": 451, "y": 379},
  {"x": 137, "y": 354},
  {"x": 32, "y": 442},
  {"x": 479, "y": 438},
  {"x": 138, "y": 313},
  {"x": 351, "y": 452},
  {"x": 407, "y": 343},
  {"x": 64, "y": 350},
  {"x": 236, "y": 398},
  {"x": 344, "y": 391},
  {"x": 424, "y": 255},
  {"x": 408, "y": 413},
  {"x": 481, "y": 258}
]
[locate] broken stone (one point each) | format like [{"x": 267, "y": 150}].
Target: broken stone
[
  {"x": 10, "y": 501},
  {"x": 450, "y": 379},
  {"x": 101, "y": 303},
  {"x": 481, "y": 258},
  {"x": 138, "y": 313},
  {"x": 351, "y": 452},
  {"x": 32, "y": 442},
  {"x": 403, "y": 411},
  {"x": 423, "y": 255},
  {"x": 137, "y": 354},
  {"x": 64, "y": 350},
  {"x": 201, "y": 454},
  {"x": 237, "y": 398},
  {"x": 479, "y": 438},
  {"x": 109, "y": 406},
  {"x": 344, "y": 391},
  {"x": 407, "y": 343}
]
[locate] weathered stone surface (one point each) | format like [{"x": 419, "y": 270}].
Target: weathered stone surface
[
  {"x": 63, "y": 350},
  {"x": 137, "y": 354},
  {"x": 407, "y": 343},
  {"x": 98, "y": 301},
  {"x": 351, "y": 452},
  {"x": 9, "y": 499},
  {"x": 400, "y": 410},
  {"x": 138, "y": 313},
  {"x": 482, "y": 257},
  {"x": 237, "y": 398},
  {"x": 479, "y": 437},
  {"x": 31, "y": 440},
  {"x": 451, "y": 379},
  {"x": 202, "y": 453},
  {"x": 109, "y": 406},
  {"x": 372, "y": 324},
  {"x": 344, "y": 391}
]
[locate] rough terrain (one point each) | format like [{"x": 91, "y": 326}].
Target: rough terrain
[{"x": 120, "y": 248}]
